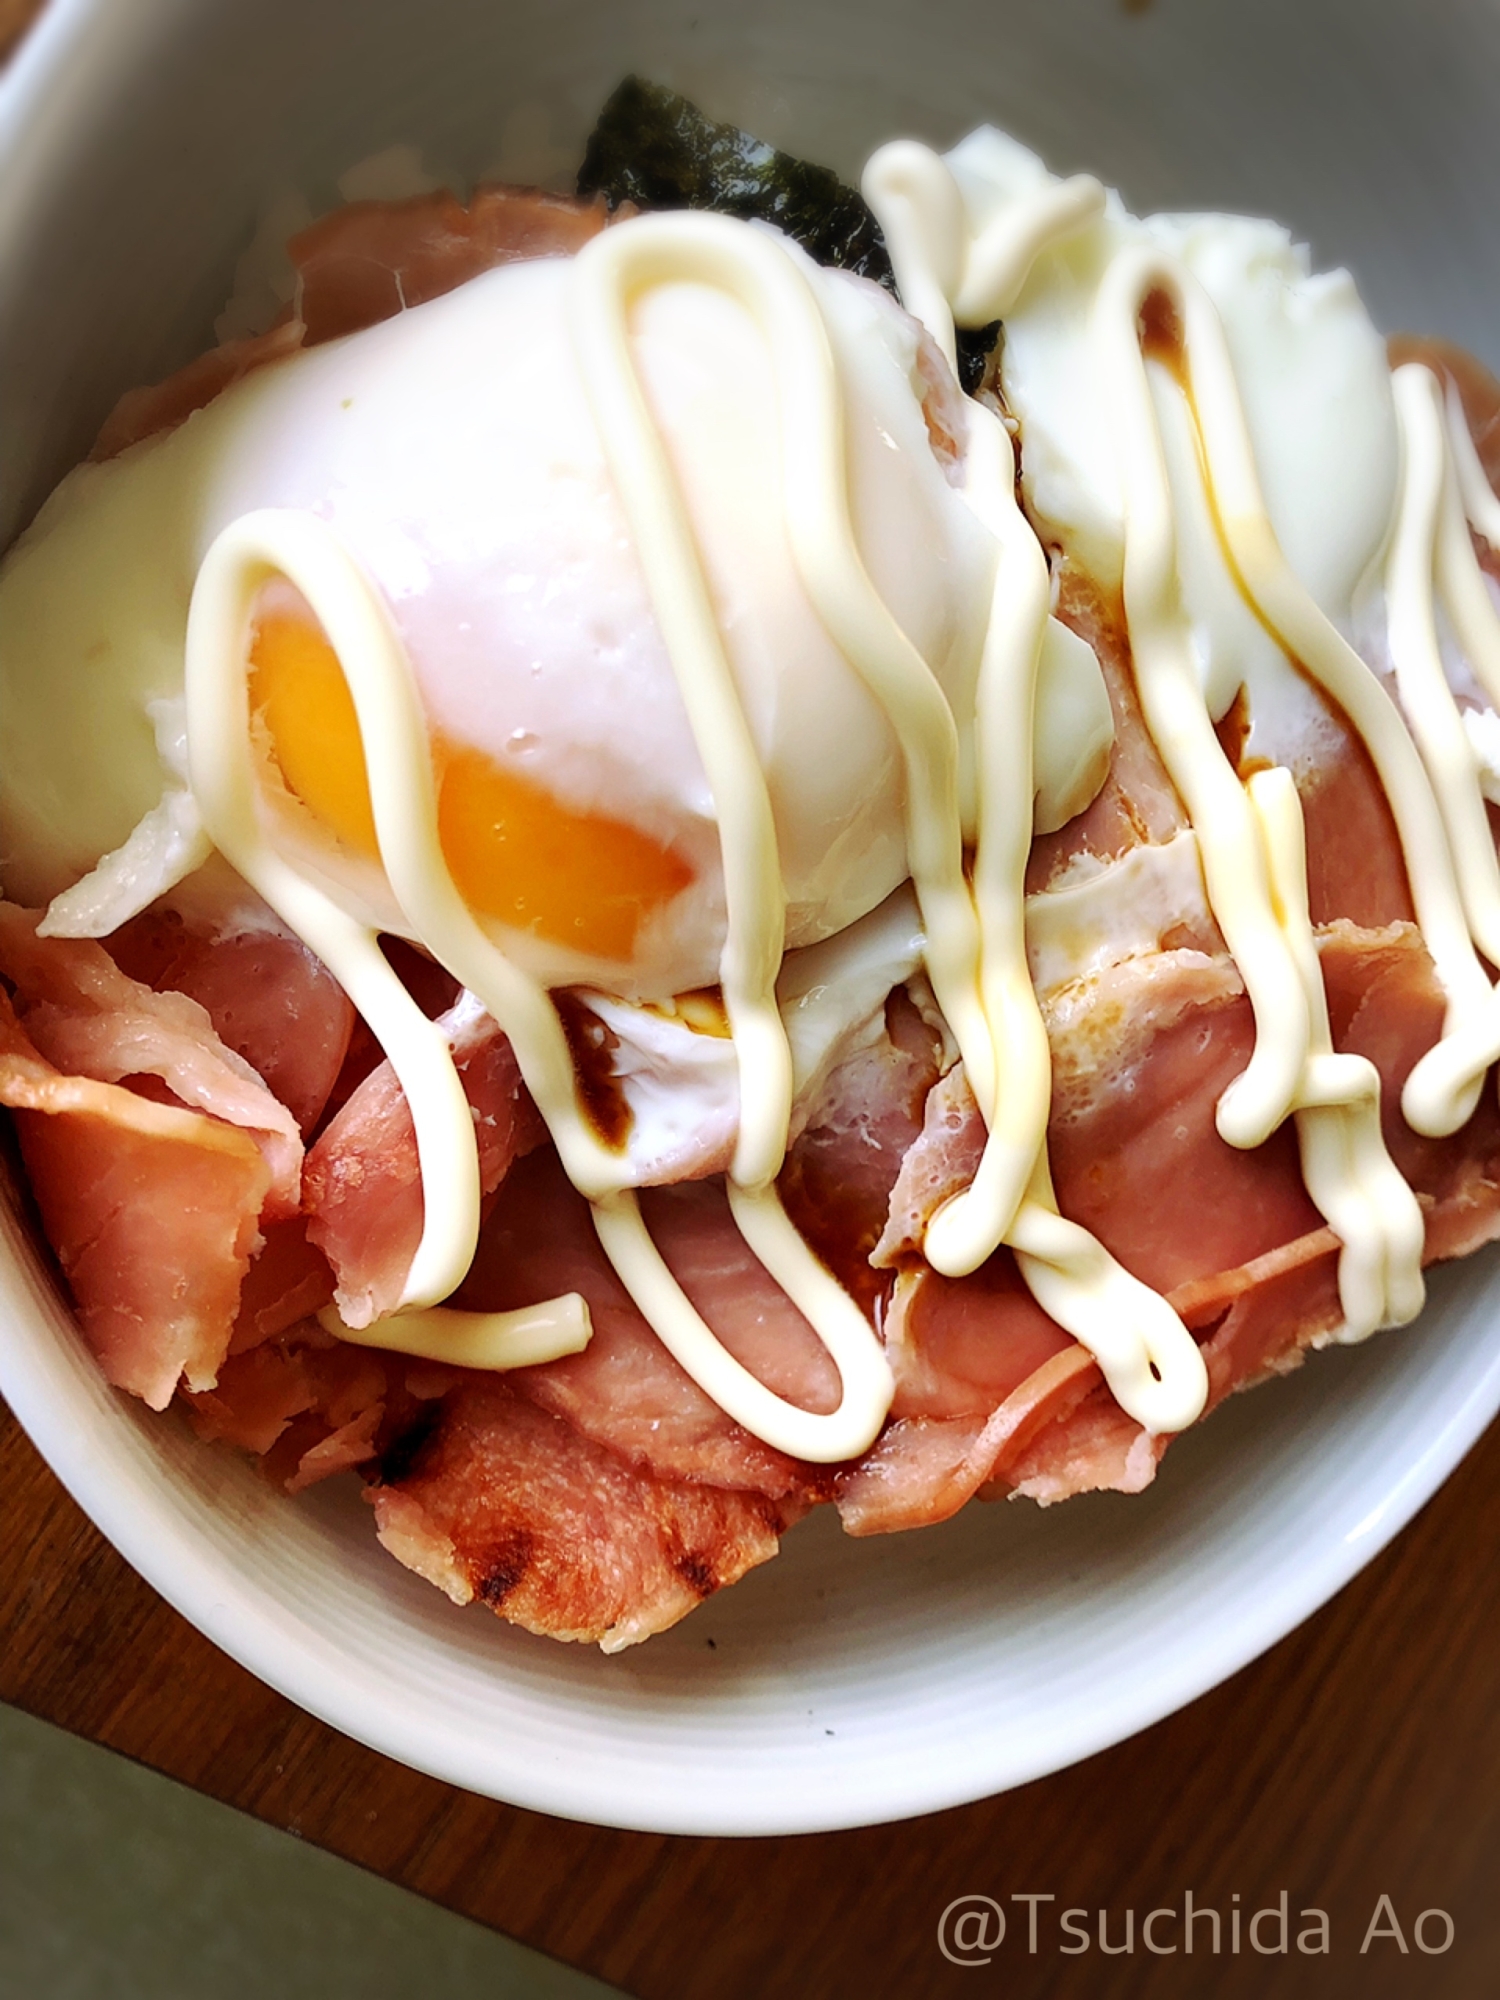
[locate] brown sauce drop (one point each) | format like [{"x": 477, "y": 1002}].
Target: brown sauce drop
[
  {"x": 1233, "y": 732},
  {"x": 1161, "y": 335},
  {"x": 592, "y": 1046}
]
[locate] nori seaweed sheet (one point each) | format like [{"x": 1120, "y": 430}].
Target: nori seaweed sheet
[{"x": 654, "y": 148}]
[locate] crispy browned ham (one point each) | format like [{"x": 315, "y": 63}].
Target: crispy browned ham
[{"x": 507, "y": 1504}]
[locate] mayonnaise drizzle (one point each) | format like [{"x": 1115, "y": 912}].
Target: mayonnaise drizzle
[
  {"x": 1431, "y": 555},
  {"x": 1249, "y": 838},
  {"x": 304, "y": 550},
  {"x": 1257, "y": 887},
  {"x": 1444, "y": 1085},
  {"x": 520, "y": 1338},
  {"x": 1349, "y": 1174},
  {"x": 1151, "y": 1362},
  {"x": 976, "y": 949}
]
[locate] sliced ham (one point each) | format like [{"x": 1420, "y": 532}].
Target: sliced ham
[
  {"x": 960, "y": 1346},
  {"x": 625, "y": 1391},
  {"x": 268, "y": 997},
  {"x": 1137, "y": 801},
  {"x": 1141, "y": 1054},
  {"x": 1356, "y": 871},
  {"x": 840, "y": 1172},
  {"x": 508, "y": 1504},
  {"x": 1283, "y": 1304},
  {"x": 1231, "y": 1237},
  {"x": 356, "y": 266},
  {"x": 289, "y": 1280},
  {"x": 90, "y": 1020},
  {"x": 141, "y": 413},
  {"x": 924, "y": 1468},
  {"x": 1141, "y": 1063},
  {"x": 1354, "y": 860},
  {"x": 1384, "y": 1002},
  {"x": 363, "y": 1186},
  {"x": 372, "y": 259},
  {"x": 308, "y": 1406},
  {"x": 1058, "y": 1431},
  {"x": 152, "y": 1210}
]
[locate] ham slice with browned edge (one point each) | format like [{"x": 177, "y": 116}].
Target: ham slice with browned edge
[
  {"x": 90, "y": 1020},
  {"x": 359, "y": 265},
  {"x": 153, "y": 1211},
  {"x": 504, "y": 1503}
]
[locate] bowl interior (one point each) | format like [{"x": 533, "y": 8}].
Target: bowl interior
[{"x": 849, "y": 1681}]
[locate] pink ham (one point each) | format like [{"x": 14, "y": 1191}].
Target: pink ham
[
  {"x": 923, "y": 1468},
  {"x": 839, "y": 1174},
  {"x": 960, "y": 1346},
  {"x": 1354, "y": 861},
  {"x": 308, "y": 1406},
  {"x": 151, "y": 1209},
  {"x": 1231, "y": 1237},
  {"x": 269, "y": 998},
  {"x": 1385, "y": 1003},
  {"x": 289, "y": 1280},
  {"x": 372, "y": 259},
  {"x": 1137, "y": 802},
  {"x": 141, "y": 413},
  {"x": 90, "y": 1020},
  {"x": 363, "y": 1187},
  {"x": 1282, "y": 1304},
  {"x": 508, "y": 1504},
  {"x": 1136, "y": 1155},
  {"x": 358, "y": 265},
  {"x": 1355, "y": 868},
  {"x": 625, "y": 1391},
  {"x": 1141, "y": 1053}
]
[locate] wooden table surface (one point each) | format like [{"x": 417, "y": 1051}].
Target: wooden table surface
[{"x": 1359, "y": 1758}]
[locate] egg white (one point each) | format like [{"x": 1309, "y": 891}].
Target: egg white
[
  {"x": 453, "y": 451},
  {"x": 1315, "y": 385}
]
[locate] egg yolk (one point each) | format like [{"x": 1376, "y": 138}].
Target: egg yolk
[{"x": 515, "y": 853}]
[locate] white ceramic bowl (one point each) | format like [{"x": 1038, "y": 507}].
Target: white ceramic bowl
[{"x": 849, "y": 1681}]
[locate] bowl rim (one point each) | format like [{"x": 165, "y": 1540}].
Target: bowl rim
[{"x": 158, "y": 1538}]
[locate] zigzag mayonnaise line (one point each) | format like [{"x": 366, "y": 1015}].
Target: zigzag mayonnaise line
[
  {"x": 1150, "y": 1361},
  {"x": 1249, "y": 838},
  {"x": 1153, "y": 1363}
]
